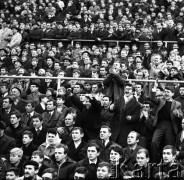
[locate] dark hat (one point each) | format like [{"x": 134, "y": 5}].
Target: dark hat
[
  {"x": 67, "y": 58},
  {"x": 89, "y": 54},
  {"x": 34, "y": 83},
  {"x": 33, "y": 163},
  {"x": 68, "y": 85},
  {"x": 49, "y": 57},
  {"x": 4, "y": 50},
  {"x": 2, "y": 125},
  {"x": 170, "y": 88}
]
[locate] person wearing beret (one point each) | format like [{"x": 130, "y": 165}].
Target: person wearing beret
[{"x": 6, "y": 142}]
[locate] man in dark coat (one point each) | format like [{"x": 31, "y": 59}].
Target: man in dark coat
[
  {"x": 129, "y": 152},
  {"x": 6, "y": 110},
  {"x": 52, "y": 118},
  {"x": 16, "y": 129},
  {"x": 90, "y": 118},
  {"x": 77, "y": 147},
  {"x": 62, "y": 163},
  {"x": 104, "y": 142},
  {"x": 126, "y": 115},
  {"x": 38, "y": 130},
  {"x": 6, "y": 142},
  {"x": 92, "y": 160},
  {"x": 167, "y": 121}
]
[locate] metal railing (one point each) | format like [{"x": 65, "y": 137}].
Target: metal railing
[
  {"x": 59, "y": 79},
  {"x": 105, "y": 41}
]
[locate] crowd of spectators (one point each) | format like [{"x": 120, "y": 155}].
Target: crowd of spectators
[{"x": 78, "y": 128}]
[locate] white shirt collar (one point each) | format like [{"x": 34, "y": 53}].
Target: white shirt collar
[{"x": 93, "y": 162}]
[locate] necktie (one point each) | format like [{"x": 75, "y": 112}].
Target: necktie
[
  {"x": 103, "y": 142},
  {"x": 38, "y": 131},
  {"x": 29, "y": 119},
  {"x": 131, "y": 150}
]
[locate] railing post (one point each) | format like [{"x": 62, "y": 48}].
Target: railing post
[
  {"x": 58, "y": 84},
  {"x": 72, "y": 42}
]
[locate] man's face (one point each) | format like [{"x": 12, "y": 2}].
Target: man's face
[
  {"x": 94, "y": 88},
  {"x": 29, "y": 108},
  {"x": 103, "y": 72},
  {"x": 103, "y": 172},
  {"x": 77, "y": 135},
  {"x": 33, "y": 88},
  {"x": 50, "y": 106},
  {"x": 77, "y": 89},
  {"x": 168, "y": 157},
  {"x": 138, "y": 88},
  {"x": 69, "y": 120},
  {"x": 13, "y": 119},
  {"x": 141, "y": 159},
  {"x": 104, "y": 134},
  {"x": 128, "y": 91},
  {"x": 169, "y": 66},
  {"x": 26, "y": 139},
  {"x": 60, "y": 154},
  {"x": 14, "y": 158},
  {"x": 6, "y": 104},
  {"x": 82, "y": 97},
  {"x": 106, "y": 101},
  {"x": 36, "y": 158},
  {"x": 15, "y": 93},
  {"x": 37, "y": 123},
  {"x": 10, "y": 175},
  {"x": 168, "y": 94},
  {"x": 92, "y": 153},
  {"x": 114, "y": 156},
  {"x": 51, "y": 138},
  {"x": 79, "y": 176},
  {"x": 60, "y": 101},
  {"x": 181, "y": 90},
  {"x": 132, "y": 139},
  {"x": 29, "y": 171}
]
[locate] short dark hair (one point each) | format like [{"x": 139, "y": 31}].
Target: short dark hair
[
  {"x": 51, "y": 171},
  {"x": 91, "y": 144},
  {"x": 78, "y": 128},
  {"x": 13, "y": 169},
  {"x": 38, "y": 153},
  {"x": 33, "y": 104},
  {"x": 82, "y": 170},
  {"x": 29, "y": 133},
  {"x": 52, "y": 100},
  {"x": 16, "y": 113},
  {"x": 39, "y": 116},
  {"x": 116, "y": 148},
  {"x": 61, "y": 97},
  {"x": 52, "y": 131},
  {"x": 173, "y": 149},
  {"x": 10, "y": 99}
]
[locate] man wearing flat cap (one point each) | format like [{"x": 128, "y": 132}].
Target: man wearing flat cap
[{"x": 30, "y": 171}]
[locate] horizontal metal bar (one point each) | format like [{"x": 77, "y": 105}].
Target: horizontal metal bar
[
  {"x": 89, "y": 40},
  {"x": 88, "y": 79}
]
